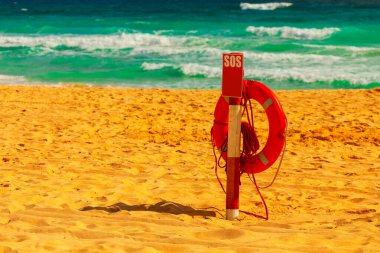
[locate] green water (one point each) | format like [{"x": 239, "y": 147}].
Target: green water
[{"x": 178, "y": 44}]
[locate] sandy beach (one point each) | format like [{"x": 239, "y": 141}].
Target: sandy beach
[{"x": 86, "y": 169}]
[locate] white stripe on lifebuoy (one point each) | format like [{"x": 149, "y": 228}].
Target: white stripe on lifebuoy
[
  {"x": 263, "y": 159},
  {"x": 267, "y": 103}
]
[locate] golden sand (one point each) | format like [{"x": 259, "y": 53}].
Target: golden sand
[{"x": 131, "y": 170}]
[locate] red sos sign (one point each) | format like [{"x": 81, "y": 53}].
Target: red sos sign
[
  {"x": 232, "y": 61},
  {"x": 232, "y": 75}
]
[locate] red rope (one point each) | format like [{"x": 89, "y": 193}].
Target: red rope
[
  {"x": 253, "y": 179},
  {"x": 217, "y": 161},
  {"x": 250, "y": 147},
  {"x": 250, "y": 142}
]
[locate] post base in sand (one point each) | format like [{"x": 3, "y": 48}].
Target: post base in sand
[{"x": 232, "y": 214}]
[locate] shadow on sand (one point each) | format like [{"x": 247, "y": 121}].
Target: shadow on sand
[{"x": 160, "y": 207}]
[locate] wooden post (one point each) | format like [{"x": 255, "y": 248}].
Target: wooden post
[
  {"x": 232, "y": 86},
  {"x": 233, "y": 159}
]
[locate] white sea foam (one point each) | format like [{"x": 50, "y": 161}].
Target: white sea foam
[
  {"x": 91, "y": 42},
  {"x": 189, "y": 69},
  {"x": 6, "y": 79},
  {"x": 302, "y": 74},
  {"x": 195, "y": 69},
  {"x": 213, "y": 55},
  {"x": 353, "y": 49},
  {"x": 291, "y": 58},
  {"x": 293, "y": 32},
  {"x": 179, "y": 50},
  {"x": 315, "y": 74},
  {"x": 192, "y": 32},
  {"x": 160, "y": 32},
  {"x": 154, "y": 66},
  {"x": 264, "y": 6}
]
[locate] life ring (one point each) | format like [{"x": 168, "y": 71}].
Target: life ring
[{"x": 277, "y": 127}]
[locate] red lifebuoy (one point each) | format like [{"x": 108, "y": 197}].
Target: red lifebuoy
[{"x": 277, "y": 127}]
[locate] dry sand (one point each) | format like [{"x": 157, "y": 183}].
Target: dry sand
[{"x": 131, "y": 170}]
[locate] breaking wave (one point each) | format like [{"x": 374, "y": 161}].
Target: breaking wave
[
  {"x": 308, "y": 75},
  {"x": 7, "y": 79},
  {"x": 91, "y": 42},
  {"x": 154, "y": 66},
  {"x": 188, "y": 69},
  {"x": 352, "y": 49},
  {"x": 264, "y": 6},
  {"x": 293, "y": 32},
  {"x": 312, "y": 75}
]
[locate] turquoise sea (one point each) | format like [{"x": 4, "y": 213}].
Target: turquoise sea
[{"x": 294, "y": 44}]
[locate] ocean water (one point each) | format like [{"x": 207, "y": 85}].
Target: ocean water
[{"x": 294, "y": 44}]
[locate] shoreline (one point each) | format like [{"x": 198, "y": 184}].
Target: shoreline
[
  {"x": 131, "y": 170},
  {"x": 87, "y": 85}
]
